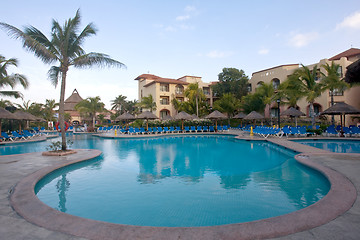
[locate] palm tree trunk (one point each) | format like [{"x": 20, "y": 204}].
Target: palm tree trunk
[
  {"x": 197, "y": 107},
  {"x": 332, "y": 104},
  {"x": 93, "y": 122},
  {"x": 311, "y": 111},
  {"x": 62, "y": 111}
]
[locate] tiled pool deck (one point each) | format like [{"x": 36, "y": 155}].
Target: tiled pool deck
[{"x": 336, "y": 216}]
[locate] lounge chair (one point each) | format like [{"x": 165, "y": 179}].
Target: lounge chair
[
  {"x": 220, "y": 128},
  {"x": 166, "y": 130},
  {"x": 142, "y": 130},
  {"x": 186, "y": 129},
  {"x": 172, "y": 129},
  {"x": 160, "y": 130},
  {"x": 286, "y": 131},
  {"x": 178, "y": 129},
  {"x": 205, "y": 128},
  {"x": 6, "y": 136},
  {"x": 211, "y": 129},
  {"x": 226, "y": 128},
  {"x": 199, "y": 129},
  {"x": 331, "y": 131},
  {"x": 27, "y": 134},
  {"x": 17, "y": 135},
  {"x": 192, "y": 129},
  {"x": 355, "y": 130}
]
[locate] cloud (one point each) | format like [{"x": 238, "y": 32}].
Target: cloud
[
  {"x": 183, "y": 18},
  {"x": 263, "y": 51},
  {"x": 190, "y": 8},
  {"x": 302, "y": 39},
  {"x": 352, "y": 22},
  {"x": 219, "y": 54}
]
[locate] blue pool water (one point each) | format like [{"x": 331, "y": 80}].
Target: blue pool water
[
  {"x": 338, "y": 146},
  {"x": 180, "y": 181}
]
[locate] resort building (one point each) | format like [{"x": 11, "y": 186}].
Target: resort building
[
  {"x": 69, "y": 106},
  {"x": 164, "y": 90},
  {"x": 278, "y": 74}
]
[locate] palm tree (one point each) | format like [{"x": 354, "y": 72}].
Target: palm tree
[
  {"x": 118, "y": 104},
  {"x": 305, "y": 79},
  {"x": 228, "y": 103},
  {"x": 332, "y": 81},
  {"x": 64, "y": 48},
  {"x": 148, "y": 103},
  {"x": 25, "y": 106},
  {"x": 90, "y": 106},
  {"x": 49, "y": 111},
  {"x": 11, "y": 80},
  {"x": 267, "y": 91},
  {"x": 288, "y": 91},
  {"x": 193, "y": 92},
  {"x": 5, "y": 103}
]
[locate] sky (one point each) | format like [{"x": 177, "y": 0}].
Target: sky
[{"x": 175, "y": 38}]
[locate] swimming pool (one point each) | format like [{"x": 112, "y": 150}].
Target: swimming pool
[
  {"x": 338, "y": 145},
  {"x": 182, "y": 181}
]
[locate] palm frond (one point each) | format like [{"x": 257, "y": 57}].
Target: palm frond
[
  {"x": 19, "y": 78},
  {"x": 15, "y": 94},
  {"x": 29, "y": 42},
  {"x": 98, "y": 59},
  {"x": 54, "y": 75}
]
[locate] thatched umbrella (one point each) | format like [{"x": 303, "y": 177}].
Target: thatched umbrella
[
  {"x": 147, "y": 115},
  {"x": 254, "y": 116},
  {"x": 167, "y": 117},
  {"x": 216, "y": 115},
  {"x": 24, "y": 116},
  {"x": 183, "y": 116},
  {"x": 125, "y": 116},
  {"x": 293, "y": 112},
  {"x": 5, "y": 114},
  {"x": 194, "y": 116},
  {"x": 341, "y": 109},
  {"x": 240, "y": 115}
]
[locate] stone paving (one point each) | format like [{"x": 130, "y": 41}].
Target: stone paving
[{"x": 14, "y": 169}]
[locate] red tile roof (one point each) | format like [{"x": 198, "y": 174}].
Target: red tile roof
[
  {"x": 157, "y": 79},
  {"x": 348, "y": 53}
]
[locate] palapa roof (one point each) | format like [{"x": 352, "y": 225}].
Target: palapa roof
[
  {"x": 216, "y": 115},
  {"x": 348, "y": 53},
  {"x": 5, "y": 114},
  {"x": 341, "y": 108},
  {"x": 254, "y": 115},
  {"x": 183, "y": 116},
  {"x": 25, "y": 116},
  {"x": 125, "y": 116},
  {"x": 240, "y": 115},
  {"x": 292, "y": 112},
  {"x": 147, "y": 115},
  {"x": 70, "y": 102}
]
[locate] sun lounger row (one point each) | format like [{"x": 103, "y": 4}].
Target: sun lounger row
[
  {"x": 17, "y": 136},
  {"x": 347, "y": 131}
]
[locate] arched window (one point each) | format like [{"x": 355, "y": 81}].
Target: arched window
[
  {"x": 164, "y": 113},
  {"x": 259, "y": 84},
  {"x": 276, "y": 83}
]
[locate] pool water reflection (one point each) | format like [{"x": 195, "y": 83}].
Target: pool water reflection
[{"x": 183, "y": 181}]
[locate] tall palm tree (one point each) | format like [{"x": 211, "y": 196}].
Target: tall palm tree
[
  {"x": 193, "y": 92},
  {"x": 25, "y": 106},
  {"x": 288, "y": 91},
  {"x": 90, "y": 106},
  {"x": 148, "y": 103},
  {"x": 64, "y": 48},
  {"x": 332, "y": 81},
  {"x": 10, "y": 80},
  {"x": 305, "y": 79},
  {"x": 118, "y": 104}
]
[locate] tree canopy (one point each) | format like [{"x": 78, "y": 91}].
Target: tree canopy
[{"x": 231, "y": 80}]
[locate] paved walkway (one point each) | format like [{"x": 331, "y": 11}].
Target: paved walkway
[{"x": 15, "y": 168}]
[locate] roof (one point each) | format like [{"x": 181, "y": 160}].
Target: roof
[
  {"x": 285, "y": 65},
  {"x": 157, "y": 79},
  {"x": 348, "y": 53},
  {"x": 74, "y": 97},
  {"x": 71, "y": 101}
]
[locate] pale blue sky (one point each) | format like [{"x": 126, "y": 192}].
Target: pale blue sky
[{"x": 176, "y": 38}]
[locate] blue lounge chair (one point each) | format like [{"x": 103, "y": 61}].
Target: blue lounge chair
[
  {"x": 205, "y": 129},
  {"x": 226, "y": 128},
  {"x": 219, "y": 128},
  {"x": 331, "y": 130},
  {"x": 27, "y": 134},
  {"x": 6, "y": 136},
  {"x": 192, "y": 129},
  {"x": 172, "y": 129},
  {"x": 199, "y": 129},
  {"x": 186, "y": 129},
  {"x": 17, "y": 135},
  {"x": 286, "y": 131},
  {"x": 178, "y": 129},
  {"x": 166, "y": 130},
  {"x": 211, "y": 129},
  {"x": 142, "y": 130},
  {"x": 160, "y": 130}
]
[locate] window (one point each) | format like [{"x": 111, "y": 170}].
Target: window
[
  {"x": 180, "y": 99},
  {"x": 259, "y": 84},
  {"x": 179, "y": 89},
  {"x": 336, "y": 92},
  {"x": 206, "y": 90},
  {"x": 274, "y": 112},
  {"x": 340, "y": 72},
  {"x": 164, "y": 113},
  {"x": 164, "y": 100},
  {"x": 317, "y": 109},
  {"x": 164, "y": 87},
  {"x": 275, "y": 83},
  {"x": 249, "y": 87}
]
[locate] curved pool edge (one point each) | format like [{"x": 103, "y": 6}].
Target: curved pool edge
[{"x": 340, "y": 198}]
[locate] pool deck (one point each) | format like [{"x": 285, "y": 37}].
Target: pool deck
[{"x": 336, "y": 216}]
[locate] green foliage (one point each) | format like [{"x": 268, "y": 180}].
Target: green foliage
[
  {"x": 90, "y": 106},
  {"x": 252, "y": 102},
  {"x": 231, "y": 80},
  {"x": 55, "y": 146},
  {"x": 10, "y": 80},
  {"x": 148, "y": 103},
  {"x": 227, "y": 104}
]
